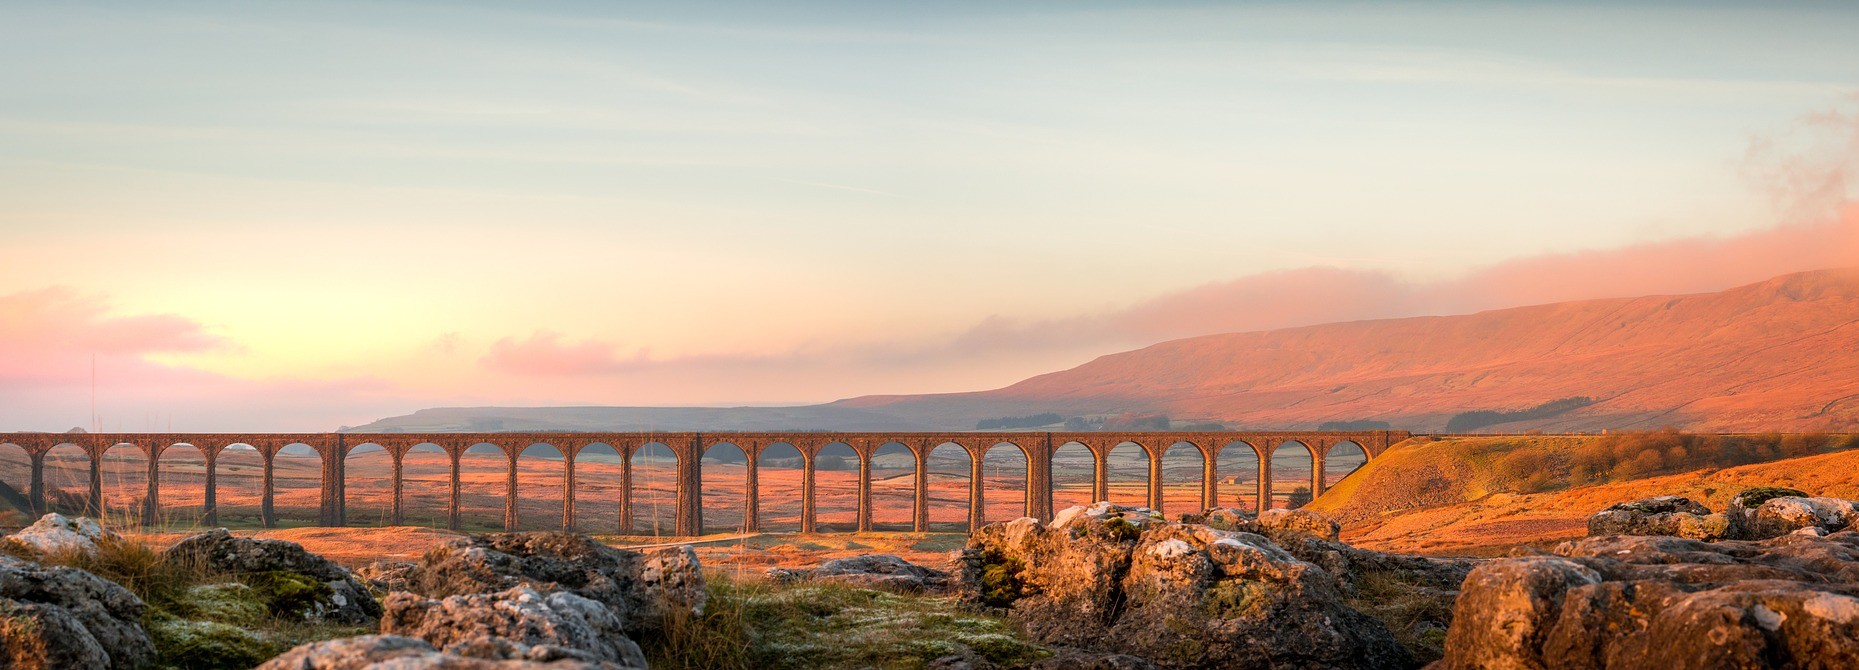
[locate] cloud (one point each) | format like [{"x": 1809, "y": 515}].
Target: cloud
[
  {"x": 52, "y": 334},
  {"x": 545, "y": 353}
]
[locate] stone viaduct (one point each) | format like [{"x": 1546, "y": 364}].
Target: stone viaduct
[{"x": 1038, "y": 449}]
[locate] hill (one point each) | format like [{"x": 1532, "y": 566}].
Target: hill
[
  {"x": 1768, "y": 356},
  {"x": 1486, "y": 494}
]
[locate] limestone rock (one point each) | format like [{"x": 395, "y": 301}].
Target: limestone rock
[
  {"x": 1302, "y": 521},
  {"x": 640, "y": 588},
  {"x": 1786, "y": 514},
  {"x": 381, "y": 652},
  {"x": 517, "y": 623},
  {"x": 1664, "y": 602},
  {"x": 388, "y": 575},
  {"x": 871, "y": 571},
  {"x": 56, "y": 533},
  {"x": 1118, "y": 580},
  {"x": 1663, "y": 515},
  {"x": 59, "y": 617},
  {"x": 319, "y": 589},
  {"x": 1073, "y": 659}
]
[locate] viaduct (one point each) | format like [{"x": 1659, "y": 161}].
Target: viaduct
[{"x": 1038, "y": 449}]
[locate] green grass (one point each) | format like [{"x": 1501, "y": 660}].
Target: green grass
[
  {"x": 820, "y": 625},
  {"x": 200, "y": 618},
  {"x": 1417, "y": 615}
]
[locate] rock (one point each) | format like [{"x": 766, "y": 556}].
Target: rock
[
  {"x": 642, "y": 589},
  {"x": 1751, "y": 498},
  {"x": 1787, "y": 514},
  {"x": 517, "y": 623},
  {"x": 1229, "y": 518},
  {"x": 1664, "y": 602},
  {"x": 1074, "y": 659},
  {"x": 1301, "y": 521},
  {"x": 388, "y": 575},
  {"x": 295, "y": 582},
  {"x": 1117, "y": 580},
  {"x": 1664, "y": 515},
  {"x": 56, "y": 533},
  {"x": 381, "y": 652},
  {"x": 871, "y": 571},
  {"x": 59, "y": 617}
]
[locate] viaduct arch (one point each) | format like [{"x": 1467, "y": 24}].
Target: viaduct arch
[{"x": 688, "y": 448}]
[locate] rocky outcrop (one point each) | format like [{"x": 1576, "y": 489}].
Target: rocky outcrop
[
  {"x": 56, "y": 533},
  {"x": 1754, "y": 514},
  {"x": 871, "y": 571},
  {"x": 1119, "y": 579},
  {"x": 640, "y": 588},
  {"x": 1664, "y": 602},
  {"x": 1788, "y": 514},
  {"x": 1664, "y": 515},
  {"x": 296, "y": 582},
  {"x": 517, "y": 623},
  {"x": 59, "y": 617},
  {"x": 388, "y": 575},
  {"x": 375, "y": 652}
]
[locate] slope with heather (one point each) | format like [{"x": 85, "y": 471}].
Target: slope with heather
[
  {"x": 1769, "y": 356},
  {"x": 1485, "y": 495}
]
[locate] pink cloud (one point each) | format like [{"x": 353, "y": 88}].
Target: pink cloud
[
  {"x": 545, "y": 353},
  {"x": 53, "y": 333}
]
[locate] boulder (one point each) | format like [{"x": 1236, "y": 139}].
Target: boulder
[
  {"x": 295, "y": 582},
  {"x": 641, "y": 588},
  {"x": 1786, "y": 514},
  {"x": 1119, "y": 580},
  {"x": 1664, "y": 602},
  {"x": 517, "y": 623},
  {"x": 1300, "y": 521},
  {"x": 1663, "y": 515},
  {"x": 376, "y": 652},
  {"x": 60, "y": 617},
  {"x": 56, "y": 533},
  {"x": 871, "y": 571},
  {"x": 388, "y": 575}
]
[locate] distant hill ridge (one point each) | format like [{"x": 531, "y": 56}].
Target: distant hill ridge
[{"x": 1776, "y": 355}]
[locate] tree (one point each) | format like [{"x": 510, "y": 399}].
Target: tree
[{"x": 1300, "y": 497}]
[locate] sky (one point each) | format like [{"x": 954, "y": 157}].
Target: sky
[{"x": 294, "y": 216}]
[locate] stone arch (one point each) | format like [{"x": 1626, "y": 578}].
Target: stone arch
[
  {"x": 948, "y": 467},
  {"x": 239, "y": 486},
  {"x": 1183, "y": 464},
  {"x": 893, "y": 487},
  {"x": 598, "y": 477},
  {"x": 425, "y": 486},
  {"x": 67, "y": 480},
  {"x": 724, "y": 470},
  {"x": 16, "y": 476},
  {"x": 1126, "y": 469},
  {"x": 1005, "y": 495},
  {"x": 124, "y": 471},
  {"x": 483, "y": 487},
  {"x": 1341, "y": 460},
  {"x": 1237, "y": 466},
  {"x": 1074, "y": 475},
  {"x": 541, "y": 476},
  {"x": 654, "y": 489},
  {"x": 1292, "y": 461},
  {"x": 297, "y": 485},
  {"x": 836, "y": 487},
  {"x": 367, "y": 484},
  {"x": 778, "y": 470},
  {"x": 181, "y": 487}
]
